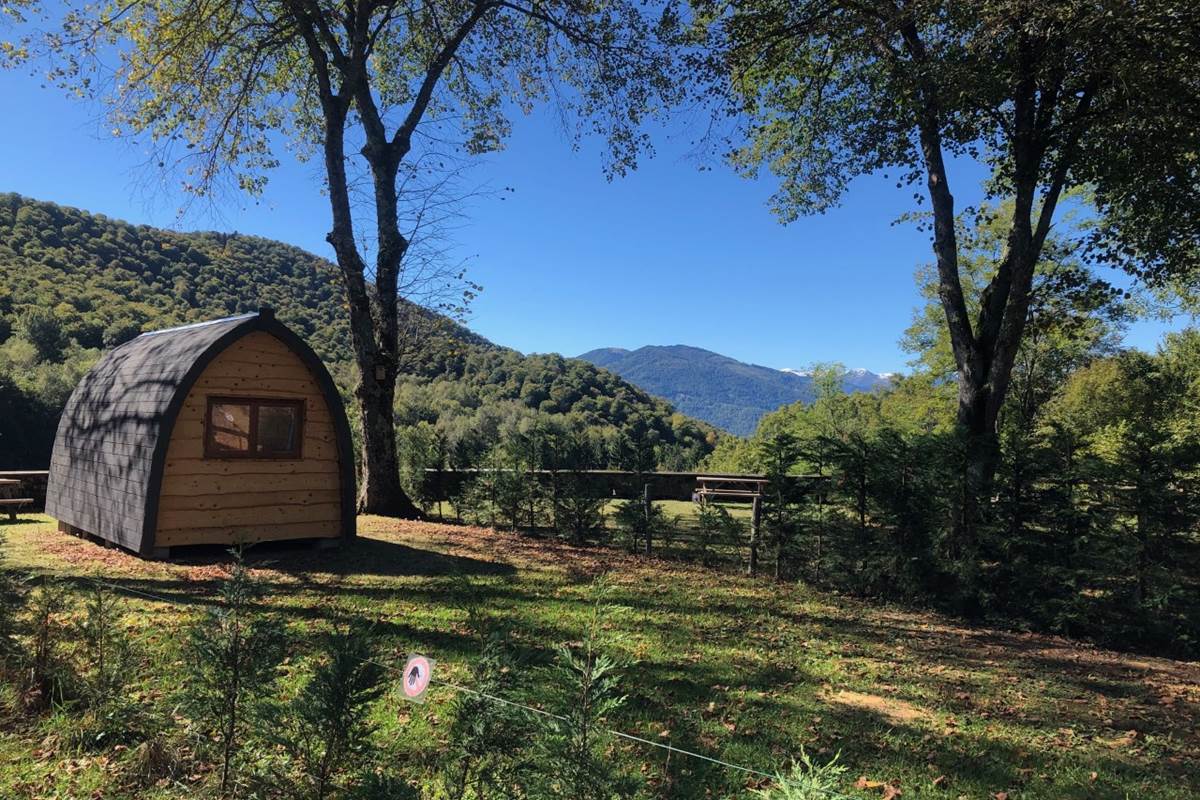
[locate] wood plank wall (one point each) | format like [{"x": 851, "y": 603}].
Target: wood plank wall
[{"x": 227, "y": 501}]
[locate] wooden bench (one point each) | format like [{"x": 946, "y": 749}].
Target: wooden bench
[{"x": 11, "y": 504}]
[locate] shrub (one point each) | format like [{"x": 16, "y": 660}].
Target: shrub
[
  {"x": 806, "y": 781},
  {"x": 584, "y": 692},
  {"x": 231, "y": 655},
  {"x": 328, "y": 731}
]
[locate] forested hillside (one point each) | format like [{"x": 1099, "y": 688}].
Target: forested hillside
[
  {"x": 105, "y": 280},
  {"x": 73, "y": 284}
]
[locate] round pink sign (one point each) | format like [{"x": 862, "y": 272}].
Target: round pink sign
[{"x": 417, "y": 673}]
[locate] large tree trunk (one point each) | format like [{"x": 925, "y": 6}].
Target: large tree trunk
[
  {"x": 380, "y": 491},
  {"x": 984, "y": 352},
  {"x": 373, "y": 334},
  {"x": 343, "y": 81},
  {"x": 985, "y": 348},
  {"x": 981, "y": 456}
]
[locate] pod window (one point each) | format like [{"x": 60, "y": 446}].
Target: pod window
[{"x": 244, "y": 427}]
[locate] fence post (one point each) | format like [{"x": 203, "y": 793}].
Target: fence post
[
  {"x": 755, "y": 518},
  {"x": 647, "y": 512}
]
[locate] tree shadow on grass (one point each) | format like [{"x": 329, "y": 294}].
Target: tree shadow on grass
[
  {"x": 1095, "y": 692},
  {"x": 405, "y": 629},
  {"x": 360, "y": 556}
]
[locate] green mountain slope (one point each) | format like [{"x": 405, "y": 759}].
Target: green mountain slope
[
  {"x": 106, "y": 280},
  {"x": 73, "y": 284}
]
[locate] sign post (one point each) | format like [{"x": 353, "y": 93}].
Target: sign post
[{"x": 418, "y": 671}]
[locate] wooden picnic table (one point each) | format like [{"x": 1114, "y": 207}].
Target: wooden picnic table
[
  {"x": 737, "y": 489},
  {"x": 9, "y": 489},
  {"x": 731, "y": 487}
]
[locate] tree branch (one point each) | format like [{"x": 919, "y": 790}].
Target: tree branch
[
  {"x": 402, "y": 141},
  {"x": 962, "y": 338}
]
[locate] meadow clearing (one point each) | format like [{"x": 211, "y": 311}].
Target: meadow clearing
[{"x": 745, "y": 670}]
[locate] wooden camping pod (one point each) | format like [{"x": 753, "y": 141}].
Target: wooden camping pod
[{"x": 161, "y": 445}]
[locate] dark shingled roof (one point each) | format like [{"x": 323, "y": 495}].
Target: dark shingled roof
[{"x": 106, "y": 467}]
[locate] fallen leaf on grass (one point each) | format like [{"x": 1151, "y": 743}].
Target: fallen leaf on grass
[
  {"x": 891, "y": 789},
  {"x": 1124, "y": 740}
]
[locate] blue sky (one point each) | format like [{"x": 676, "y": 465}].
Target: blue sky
[{"x": 570, "y": 261}]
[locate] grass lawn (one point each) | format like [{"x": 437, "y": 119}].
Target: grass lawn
[{"x": 745, "y": 670}]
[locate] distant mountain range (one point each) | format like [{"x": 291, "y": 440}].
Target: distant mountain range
[
  {"x": 728, "y": 393},
  {"x": 856, "y": 380}
]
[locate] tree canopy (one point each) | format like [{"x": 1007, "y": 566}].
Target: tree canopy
[
  {"x": 387, "y": 92},
  {"x": 1050, "y": 97}
]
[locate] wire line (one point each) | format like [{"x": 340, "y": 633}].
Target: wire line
[{"x": 532, "y": 709}]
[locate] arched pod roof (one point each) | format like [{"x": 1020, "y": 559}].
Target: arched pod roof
[{"x": 107, "y": 465}]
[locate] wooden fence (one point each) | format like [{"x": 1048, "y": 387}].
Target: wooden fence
[
  {"x": 445, "y": 484},
  {"x": 681, "y": 536}
]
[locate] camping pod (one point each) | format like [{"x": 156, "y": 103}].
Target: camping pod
[{"x": 224, "y": 432}]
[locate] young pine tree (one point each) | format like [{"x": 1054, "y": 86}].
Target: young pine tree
[
  {"x": 714, "y": 525},
  {"x": 578, "y": 504},
  {"x": 807, "y": 780},
  {"x": 780, "y": 519},
  {"x": 106, "y": 648},
  {"x": 641, "y": 523},
  {"x": 11, "y": 601},
  {"x": 486, "y": 758},
  {"x": 47, "y": 672},
  {"x": 328, "y": 730},
  {"x": 584, "y": 688},
  {"x": 104, "y": 668},
  {"x": 231, "y": 655}
]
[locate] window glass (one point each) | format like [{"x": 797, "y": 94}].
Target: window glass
[
  {"x": 229, "y": 427},
  {"x": 253, "y": 428},
  {"x": 278, "y": 429}
]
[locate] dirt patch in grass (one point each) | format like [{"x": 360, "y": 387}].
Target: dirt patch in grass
[{"x": 889, "y": 708}]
